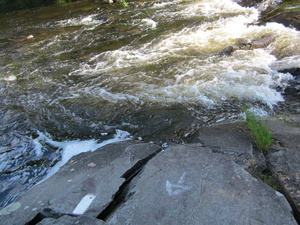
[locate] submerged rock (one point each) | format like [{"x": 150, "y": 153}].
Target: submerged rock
[{"x": 262, "y": 42}]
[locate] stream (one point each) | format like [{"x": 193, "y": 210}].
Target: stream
[{"x": 97, "y": 73}]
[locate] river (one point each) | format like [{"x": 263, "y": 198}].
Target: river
[{"x": 97, "y": 73}]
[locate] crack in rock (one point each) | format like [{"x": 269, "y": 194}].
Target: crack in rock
[
  {"x": 124, "y": 191},
  {"x": 117, "y": 199},
  {"x": 47, "y": 213}
]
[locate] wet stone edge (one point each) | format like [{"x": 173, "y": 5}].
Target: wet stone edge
[{"x": 118, "y": 198}]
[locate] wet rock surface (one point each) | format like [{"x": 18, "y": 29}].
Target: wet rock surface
[
  {"x": 286, "y": 12},
  {"x": 254, "y": 44},
  {"x": 85, "y": 177},
  {"x": 210, "y": 181},
  {"x": 292, "y": 93},
  {"x": 289, "y": 19},
  {"x": 249, "y": 3}
]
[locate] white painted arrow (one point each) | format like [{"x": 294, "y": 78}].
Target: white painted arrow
[{"x": 177, "y": 189}]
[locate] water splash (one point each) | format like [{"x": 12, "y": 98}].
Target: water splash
[{"x": 73, "y": 148}]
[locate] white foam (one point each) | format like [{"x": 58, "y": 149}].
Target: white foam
[
  {"x": 161, "y": 5},
  {"x": 257, "y": 112},
  {"x": 286, "y": 63},
  {"x": 267, "y": 3},
  {"x": 149, "y": 23},
  {"x": 87, "y": 21},
  {"x": 9, "y": 78},
  {"x": 72, "y": 148},
  {"x": 185, "y": 76},
  {"x": 111, "y": 96},
  {"x": 37, "y": 147},
  {"x": 211, "y": 8}
]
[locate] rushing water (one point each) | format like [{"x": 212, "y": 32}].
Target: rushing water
[{"x": 93, "y": 69}]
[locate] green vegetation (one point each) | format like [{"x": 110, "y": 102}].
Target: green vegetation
[
  {"x": 124, "y": 3},
  {"x": 262, "y": 136},
  {"x": 270, "y": 179}
]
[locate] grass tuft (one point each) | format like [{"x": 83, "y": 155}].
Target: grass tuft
[
  {"x": 124, "y": 3},
  {"x": 262, "y": 136}
]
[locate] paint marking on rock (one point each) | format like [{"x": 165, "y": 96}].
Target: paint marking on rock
[
  {"x": 177, "y": 189},
  {"x": 10, "y": 208},
  {"x": 83, "y": 205}
]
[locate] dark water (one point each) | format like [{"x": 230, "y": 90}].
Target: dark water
[
  {"x": 11, "y": 5},
  {"x": 95, "y": 71}
]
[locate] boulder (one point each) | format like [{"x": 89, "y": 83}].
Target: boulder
[
  {"x": 262, "y": 42},
  {"x": 138, "y": 183},
  {"x": 284, "y": 160},
  {"x": 239, "y": 145},
  {"x": 249, "y": 3},
  {"x": 294, "y": 71},
  {"x": 286, "y": 13},
  {"x": 288, "y": 19},
  {"x": 86, "y": 184},
  {"x": 189, "y": 184},
  {"x": 71, "y": 220}
]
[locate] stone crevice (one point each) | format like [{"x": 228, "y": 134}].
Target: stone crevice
[
  {"x": 47, "y": 213},
  {"x": 288, "y": 194},
  {"x": 117, "y": 199},
  {"x": 124, "y": 193}
]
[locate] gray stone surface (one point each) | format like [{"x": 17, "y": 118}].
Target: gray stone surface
[
  {"x": 95, "y": 175},
  {"x": 69, "y": 220},
  {"x": 284, "y": 159},
  {"x": 199, "y": 183},
  {"x": 188, "y": 184},
  {"x": 233, "y": 140}
]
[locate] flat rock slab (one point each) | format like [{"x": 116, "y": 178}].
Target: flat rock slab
[
  {"x": 188, "y": 184},
  {"x": 70, "y": 220},
  {"x": 86, "y": 184},
  {"x": 184, "y": 184},
  {"x": 284, "y": 159},
  {"x": 233, "y": 140}
]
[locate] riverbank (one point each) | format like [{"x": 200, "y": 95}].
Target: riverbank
[
  {"x": 154, "y": 72},
  {"x": 216, "y": 179}
]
